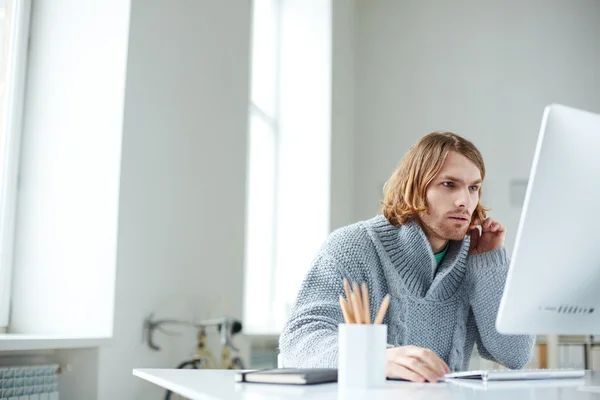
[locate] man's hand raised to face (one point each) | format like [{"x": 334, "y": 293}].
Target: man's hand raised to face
[{"x": 490, "y": 238}]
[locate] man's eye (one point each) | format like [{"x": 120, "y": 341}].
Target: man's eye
[
  {"x": 474, "y": 188},
  {"x": 448, "y": 184}
]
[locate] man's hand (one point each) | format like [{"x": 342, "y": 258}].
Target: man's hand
[
  {"x": 490, "y": 238},
  {"x": 415, "y": 364}
]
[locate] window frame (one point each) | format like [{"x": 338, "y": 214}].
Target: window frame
[
  {"x": 270, "y": 118},
  {"x": 16, "y": 72}
]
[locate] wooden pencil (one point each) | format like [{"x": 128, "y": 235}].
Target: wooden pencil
[
  {"x": 356, "y": 307},
  {"x": 344, "y": 307},
  {"x": 365, "y": 302},
  {"x": 382, "y": 309},
  {"x": 356, "y": 291},
  {"x": 348, "y": 299}
]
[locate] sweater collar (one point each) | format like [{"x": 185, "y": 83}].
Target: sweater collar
[{"x": 411, "y": 256}]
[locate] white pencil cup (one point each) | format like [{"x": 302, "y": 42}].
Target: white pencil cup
[{"x": 361, "y": 357}]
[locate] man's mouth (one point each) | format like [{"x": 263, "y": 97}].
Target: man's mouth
[{"x": 459, "y": 218}]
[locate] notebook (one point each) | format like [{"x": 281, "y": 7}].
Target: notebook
[{"x": 289, "y": 376}]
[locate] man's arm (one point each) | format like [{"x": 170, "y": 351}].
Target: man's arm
[
  {"x": 310, "y": 337},
  {"x": 487, "y": 273}
]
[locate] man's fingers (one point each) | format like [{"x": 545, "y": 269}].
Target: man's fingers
[
  {"x": 420, "y": 367},
  {"x": 491, "y": 225},
  {"x": 398, "y": 371},
  {"x": 494, "y": 227},
  {"x": 430, "y": 358},
  {"x": 475, "y": 234},
  {"x": 500, "y": 228}
]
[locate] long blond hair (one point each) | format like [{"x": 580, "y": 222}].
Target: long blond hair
[{"x": 404, "y": 193}]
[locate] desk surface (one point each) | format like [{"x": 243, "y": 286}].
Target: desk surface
[{"x": 220, "y": 385}]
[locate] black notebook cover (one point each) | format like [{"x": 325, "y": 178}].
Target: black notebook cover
[{"x": 289, "y": 376}]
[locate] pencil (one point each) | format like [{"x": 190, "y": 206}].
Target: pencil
[
  {"x": 365, "y": 302},
  {"x": 382, "y": 309},
  {"x": 356, "y": 307},
  {"x": 348, "y": 300},
  {"x": 344, "y": 307},
  {"x": 356, "y": 291}
]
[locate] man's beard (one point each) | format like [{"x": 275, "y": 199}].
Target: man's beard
[{"x": 445, "y": 230}]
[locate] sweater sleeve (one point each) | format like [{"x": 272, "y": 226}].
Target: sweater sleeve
[
  {"x": 488, "y": 276},
  {"x": 310, "y": 337}
]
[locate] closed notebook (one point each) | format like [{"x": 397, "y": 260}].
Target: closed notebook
[{"x": 289, "y": 376}]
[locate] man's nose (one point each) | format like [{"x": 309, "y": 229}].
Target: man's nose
[{"x": 463, "y": 199}]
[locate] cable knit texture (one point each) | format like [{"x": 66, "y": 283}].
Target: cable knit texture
[{"x": 446, "y": 308}]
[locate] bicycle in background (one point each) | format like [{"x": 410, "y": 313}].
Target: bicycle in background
[{"x": 204, "y": 357}]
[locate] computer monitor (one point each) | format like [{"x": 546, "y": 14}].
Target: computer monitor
[{"x": 553, "y": 282}]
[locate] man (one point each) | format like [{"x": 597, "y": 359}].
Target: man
[{"x": 438, "y": 256}]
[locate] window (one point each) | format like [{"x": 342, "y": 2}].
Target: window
[
  {"x": 262, "y": 160},
  {"x": 14, "y": 31},
  {"x": 288, "y": 161}
]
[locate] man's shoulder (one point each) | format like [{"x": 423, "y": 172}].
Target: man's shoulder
[{"x": 352, "y": 236}]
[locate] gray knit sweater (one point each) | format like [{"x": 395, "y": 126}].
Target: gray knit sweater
[{"x": 445, "y": 308}]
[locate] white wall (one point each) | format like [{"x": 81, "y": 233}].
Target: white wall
[
  {"x": 342, "y": 113},
  {"x": 183, "y": 176},
  {"x": 482, "y": 69}
]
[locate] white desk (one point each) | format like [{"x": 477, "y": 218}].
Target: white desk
[{"x": 220, "y": 385}]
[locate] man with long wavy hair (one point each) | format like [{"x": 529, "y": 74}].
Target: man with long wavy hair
[{"x": 438, "y": 255}]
